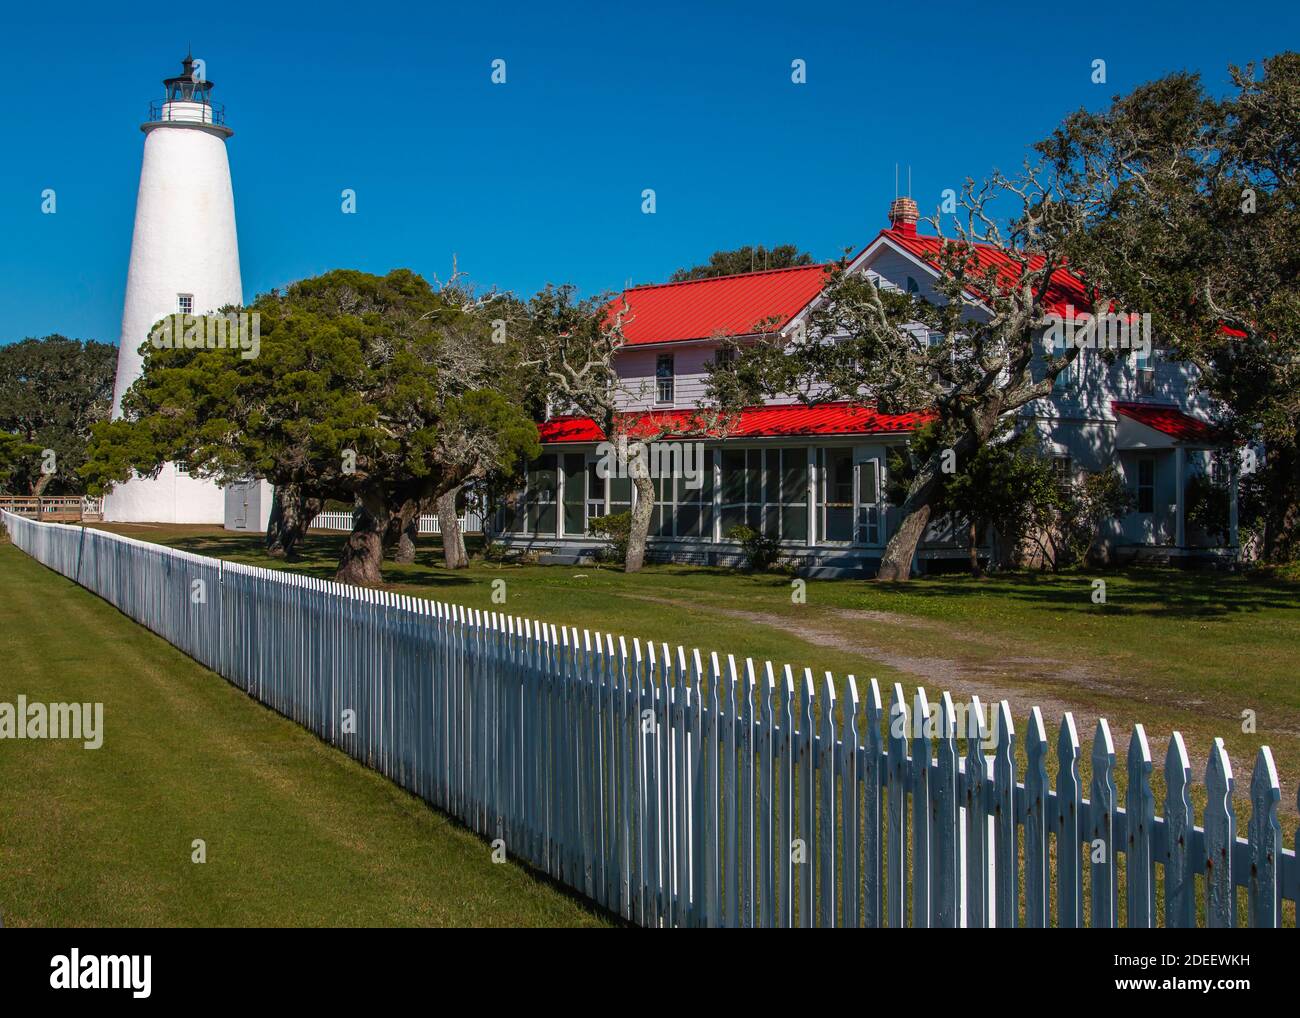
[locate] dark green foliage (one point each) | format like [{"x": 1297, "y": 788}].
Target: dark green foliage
[
  {"x": 1207, "y": 507},
  {"x": 367, "y": 389},
  {"x": 1006, "y": 486},
  {"x": 760, "y": 552},
  {"x": 52, "y": 392},
  {"x": 745, "y": 259},
  {"x": 616, "y": 528},
  {"x": 1194, "y": 217}
]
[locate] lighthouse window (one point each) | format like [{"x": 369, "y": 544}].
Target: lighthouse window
[{"x": 185, "y": 303}]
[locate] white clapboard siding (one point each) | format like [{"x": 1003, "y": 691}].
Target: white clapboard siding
[{"x": 675, "y": 794}]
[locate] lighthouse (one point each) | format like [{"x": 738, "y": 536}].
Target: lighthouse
[{"x": 184, "y": 259}]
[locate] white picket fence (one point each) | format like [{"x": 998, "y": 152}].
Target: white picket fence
[
  {"x": 677, "y": 792},
  {"x": 471, "y": 522}
]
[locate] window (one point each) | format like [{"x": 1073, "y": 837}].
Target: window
[
  {"x": 742, "y": 488},
  {"x": 1070, "y": 372},
  {"x": 785, "y": 502},
  {"x": 620, "y": 495},
  {"x": 912, "y": 285},
  {"x": 835, "y": 494},
  {"x": 182, "y": 467},
  {"x": 1063, "y": 468},
  {"x": 934, "y": 339},
  {"x": 725, "y": 358},
  {"x": 575, "y": 493},
  {"x": 595, "y": 493},
  {"x": 664, "y": 378},
  {"x": 869, "y": 502},
  {"x": 767, "y": 490},
  {"x": 542, "y": 484},
  {"x": 681, "y": 510},
  {"x": 1146, "y": 486},
  {"x": 185, "y": 303},
  {"x": 1146, "y": 374}
]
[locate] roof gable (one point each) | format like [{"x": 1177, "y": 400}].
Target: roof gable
[{"x": 1065, "y": 288}]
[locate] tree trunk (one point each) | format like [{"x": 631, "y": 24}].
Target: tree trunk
[
  {"x": 291, "y": 515},
  {"x": 453, "y": 541},
  {"x": 402, "y": 530},
  {"x": 641, "y": 512},
  {"x": 362, "y": 557},
  {"x": 406, "y": 543},
  {"x": 896, "y": 563},
  {"x": 1281, "y": 514},
  {"x": 42, "y": 482},
  {"x": 973, "y": 535}
]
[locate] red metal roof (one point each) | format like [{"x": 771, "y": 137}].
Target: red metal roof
[
  {"x": 741, "y": 305},
  {"x": 1167, "y": 420},
  {"x": 754, "y": 422},
  {"x": 1065, "y": 287}
]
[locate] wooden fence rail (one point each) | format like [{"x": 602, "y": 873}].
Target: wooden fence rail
[
  {"x": 53, "y": 508},
  {"x": 680, "y": 791}
]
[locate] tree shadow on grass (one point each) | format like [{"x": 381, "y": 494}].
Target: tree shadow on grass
[{"x": 1148, "y": 592}]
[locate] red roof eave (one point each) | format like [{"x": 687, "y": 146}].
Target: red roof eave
[
  {"x": 794, "y": 421},
  {"x": 1168, "y": 420}
]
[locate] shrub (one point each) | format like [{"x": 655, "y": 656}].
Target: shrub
[
  {"x": 615, "y": 528},
  {"x": 760, "y": 553},
  {"x": 1207, "y": 507},
  {"x": 1087, "y": 504}
]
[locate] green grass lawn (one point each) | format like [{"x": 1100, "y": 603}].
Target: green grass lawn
[
  {"x": 296, "y": 832},
  {"x": 1169, "y": 649}
]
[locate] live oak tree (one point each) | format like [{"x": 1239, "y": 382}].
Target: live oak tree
[
  {"x": 52, "y": 392},
  {"x": 573, "y": 345},
  {"x": 1007, "y": 486},
  {"x": 344, "y": 401},
  {"x": 485, "y": 436},
  {"x": 1192, "y": 208},
  {"x": 287, "y": 415},
  {"x": 15, "y": 459},
  {"x": 972, "y": 357},
  {"x": 745, "y": 259}
]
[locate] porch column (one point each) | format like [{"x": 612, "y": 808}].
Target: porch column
[
  {"x": 715, "y": 468},
  {"x": 1180, "y": 491},
  {"x": 813, "y": 479}
]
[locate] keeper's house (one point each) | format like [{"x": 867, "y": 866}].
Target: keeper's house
[{"x": 813, "y": 476}]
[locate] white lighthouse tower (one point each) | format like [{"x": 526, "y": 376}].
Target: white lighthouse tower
[{"x": 184, "y": 258}]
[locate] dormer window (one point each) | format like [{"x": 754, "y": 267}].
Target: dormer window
[
  {"x": 185, "y": 303},
  {"x": 664, "y": 377}
]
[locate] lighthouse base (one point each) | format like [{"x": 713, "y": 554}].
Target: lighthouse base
[{"x": 171, "y": 497}]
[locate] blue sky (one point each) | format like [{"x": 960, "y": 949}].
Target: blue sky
[{"x": 540, "y": 179}]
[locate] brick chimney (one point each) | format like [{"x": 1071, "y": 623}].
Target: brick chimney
[{"x": 903, "y": 215}]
